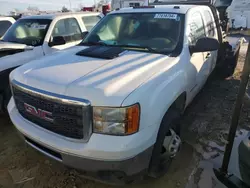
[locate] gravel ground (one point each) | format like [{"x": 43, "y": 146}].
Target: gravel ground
[{"x": 205, "y": 126}]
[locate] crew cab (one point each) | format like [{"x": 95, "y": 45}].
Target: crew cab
[
  {"x": 34, "y": 37},
  {"x": 5, "y": 23},
  {"x": 110, "y": 106}
]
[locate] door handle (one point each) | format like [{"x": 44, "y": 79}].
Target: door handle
[{"x": 208, "y": 55}]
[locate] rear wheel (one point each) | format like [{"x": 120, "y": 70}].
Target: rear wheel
[
  {"x": 228, "y": 66},
  {"x": 167, "y": 144}
]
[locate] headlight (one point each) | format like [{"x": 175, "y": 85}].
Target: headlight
[{"x": 116, "y": 121}]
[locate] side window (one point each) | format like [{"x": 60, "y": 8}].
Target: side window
[
  {"x": 197, "y": 29},
  {"x": 69, "y": 29},
  {"x": 209, "y": 24},
  {"x": 90, "y": 21},
  {"x": 4, "y": 26},
  {"x": 134, "y": 4}
]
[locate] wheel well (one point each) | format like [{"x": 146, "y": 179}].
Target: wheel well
[
  {"x": 180, "y": 103},
  {"x": 178, "y": 106}
]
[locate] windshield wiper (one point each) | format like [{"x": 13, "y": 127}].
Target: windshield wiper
[
  {"x": 121, "y": 45},
  {"x": 94, "y": 43},
  {"x": 137, "y": 46}
]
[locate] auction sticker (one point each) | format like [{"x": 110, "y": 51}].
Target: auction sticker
[
  {"x": 166, "y": 16},
  {"x": 37, "y": 26}
]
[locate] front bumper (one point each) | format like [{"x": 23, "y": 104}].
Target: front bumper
[
  {"x": 102, "y": 157},
  {"x": 112, "y": 172}
]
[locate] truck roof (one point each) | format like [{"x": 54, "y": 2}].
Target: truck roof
[
  {"x": 173, "y": 8},
  {"x": 61, "y": 15},
  {"x": 12, "y": 20}
]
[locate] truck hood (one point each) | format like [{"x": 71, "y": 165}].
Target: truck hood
[
  {"x": 104, "y": 82},
  {"x": 8, "y": 48},
  {"x": 12, "y": 46}
]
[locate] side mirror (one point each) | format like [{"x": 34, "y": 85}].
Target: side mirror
[
  {"x": 205, "y": 44},
  {"x": 58, "y": 40},
  {"x": 84, "y": 34}
]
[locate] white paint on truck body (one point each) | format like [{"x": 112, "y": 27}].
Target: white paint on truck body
[{"x": 152, "y": 80}]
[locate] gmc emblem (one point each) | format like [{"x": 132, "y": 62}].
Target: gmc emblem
[{"x": 38, "y": 112}]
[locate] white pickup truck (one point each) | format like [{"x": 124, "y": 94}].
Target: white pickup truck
[
  {"x": 36, "y": 36},
  {"x": 110, "y": 106},
  {"x": 5, "y": 23}
]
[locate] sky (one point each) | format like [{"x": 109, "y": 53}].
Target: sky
[{"x": 8, "y": 5}]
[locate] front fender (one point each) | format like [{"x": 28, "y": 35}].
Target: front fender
[
  {"x": 4, "y": 78},
  {"x": 157, "y": 94}
]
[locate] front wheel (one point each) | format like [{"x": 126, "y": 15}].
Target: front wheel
[{"x": 167, "y": 144}]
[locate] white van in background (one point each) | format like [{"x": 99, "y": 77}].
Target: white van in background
[
  {"x": 115, "y": 4},
  {"x": 239, "y": 14}
]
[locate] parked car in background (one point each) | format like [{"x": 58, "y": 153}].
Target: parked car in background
[
  {"x": 5, "y": 23},
  {"x": 34, "y": 37},
  {"x": 239, "y": 14},
  {"x": 115, "y": 4},
  {"x": 111, "y": 105}
]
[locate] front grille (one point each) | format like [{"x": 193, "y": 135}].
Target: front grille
[{"x": 71, "y": 120}]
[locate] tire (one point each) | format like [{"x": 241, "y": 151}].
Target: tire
[
  {"x": 161, "y": 158},
  {"x": 228, "y": 67}
]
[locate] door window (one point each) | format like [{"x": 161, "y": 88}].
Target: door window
[
  {"x": 134, "y": 4},
  {"x": 197, "y": 29},
  {"x": 69, "y": 29},
  {"x": 4, "y": 26},
  {"x": 90, "y": 21},
  {"x": 209, "y": 24}
]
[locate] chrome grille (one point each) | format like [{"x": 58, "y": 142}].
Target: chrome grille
[{"x": 70, "y": 117}]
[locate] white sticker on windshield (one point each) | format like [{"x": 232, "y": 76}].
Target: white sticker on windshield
[
  {"x": 36, "y": 26},
  {"x": 166, "y": 16}
]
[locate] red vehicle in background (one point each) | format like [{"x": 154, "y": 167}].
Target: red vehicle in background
[
  {"x": 104, "y": 8},
  {"x": 90, "y": 9}
]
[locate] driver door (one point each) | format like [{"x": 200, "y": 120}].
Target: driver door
[
  {"x": 197, "y": 31},
  {"x": 70, "y": 30}
]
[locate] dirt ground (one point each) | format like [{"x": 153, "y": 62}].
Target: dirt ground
[{"x": 205, "y": 126}]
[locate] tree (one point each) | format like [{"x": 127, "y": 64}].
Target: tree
[
  {"x": 14, "y": 12},
  {"x": 33, "y": 9},
  {"x": 64, "y": 9}
]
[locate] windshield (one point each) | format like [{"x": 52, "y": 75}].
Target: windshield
[
  {"x": 155, "y": 32},
  {"x": 28, "y": 31}
]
